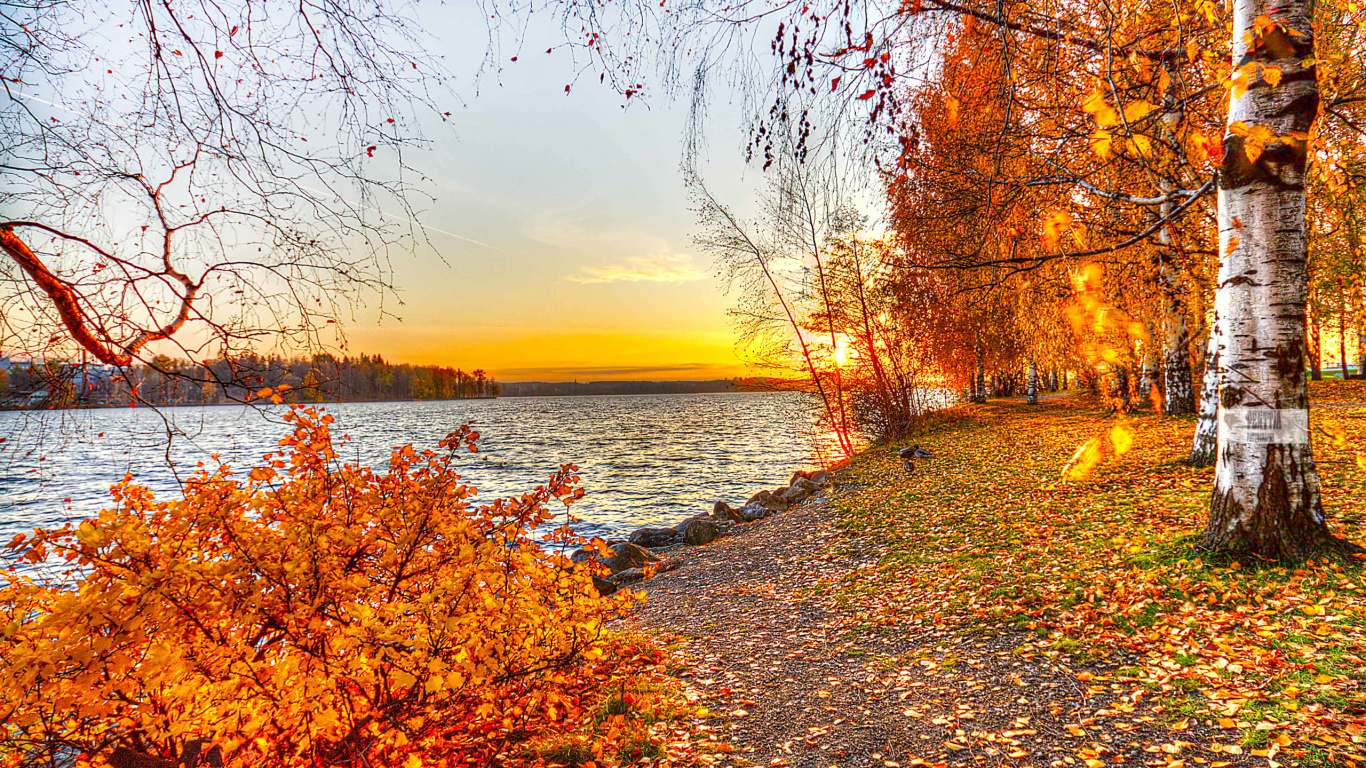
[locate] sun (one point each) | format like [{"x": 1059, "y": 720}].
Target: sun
[{"x": 841, "y": 350}]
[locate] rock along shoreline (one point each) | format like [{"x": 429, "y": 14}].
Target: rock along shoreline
[{"x": 646, "y": 551}]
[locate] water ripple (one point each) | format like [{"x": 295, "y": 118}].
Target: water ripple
[{"x": 644, "y": 459}]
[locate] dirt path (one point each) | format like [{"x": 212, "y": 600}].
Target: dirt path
[{"x": 796, "y": 679}]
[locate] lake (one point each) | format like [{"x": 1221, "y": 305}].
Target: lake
[{"x": 644, "y": 459}]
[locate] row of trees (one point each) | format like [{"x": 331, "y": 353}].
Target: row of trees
[
  {"x": 1164, "y": 196},
  {"x": 170, "y": 381}
]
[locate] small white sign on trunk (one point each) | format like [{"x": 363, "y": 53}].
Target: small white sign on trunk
[{"x": 1265, "y": 426}]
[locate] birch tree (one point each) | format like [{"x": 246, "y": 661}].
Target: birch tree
[{"x": 1266, "y": 502}]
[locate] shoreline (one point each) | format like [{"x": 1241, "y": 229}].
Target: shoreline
[{"x": 637, "y": 557}]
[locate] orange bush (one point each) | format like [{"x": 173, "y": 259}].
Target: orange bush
[{"x": 315, "y": 612}]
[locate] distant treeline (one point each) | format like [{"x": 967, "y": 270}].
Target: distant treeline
[
  {"x": 546, "y": 388},
  {"x": 170, "y": 381}
]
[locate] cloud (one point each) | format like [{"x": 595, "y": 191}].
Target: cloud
[{"x": 643, "y": 269}]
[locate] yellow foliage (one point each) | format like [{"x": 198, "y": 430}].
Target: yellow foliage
[
  {"x": 313, "y": 612},
  {"x": 1102, "y": 143},
  {"x": 1099, "y": 108},
  {"x": 1137, "y": 110}
]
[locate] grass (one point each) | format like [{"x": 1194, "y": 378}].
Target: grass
[{"x": 990, "y": 533}]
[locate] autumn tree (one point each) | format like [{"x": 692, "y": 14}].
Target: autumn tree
[{"x": 1124, "y": 114}]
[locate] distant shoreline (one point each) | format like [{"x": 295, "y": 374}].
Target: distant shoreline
[{"x": 107, "y": 407}]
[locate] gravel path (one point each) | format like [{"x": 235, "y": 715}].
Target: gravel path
[{"x": 799, "y": 680}]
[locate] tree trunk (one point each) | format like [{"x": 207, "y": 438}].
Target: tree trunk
[
  {"x": 980, "y": 396},
  {"x": 1178, "y": 396},
  {"x": 1121, "y": 394},
  {"x": 1265, "y": 504},
  {"x": 1204, "y": 446},
  {"x": 1033, "y": 386},
  {"x": 1147, "y": 385}
]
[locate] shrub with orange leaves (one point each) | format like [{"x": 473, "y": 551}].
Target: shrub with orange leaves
[{"x": 314, "y": 612}]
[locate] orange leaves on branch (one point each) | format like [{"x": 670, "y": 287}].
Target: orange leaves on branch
[
  {"x": 951, "y": 107},
  {"x": 1102, "y": 143},
  {"x": 310, "y": 610},
  {"x": 1202, "y": 148},
  {"x": 1256, "y": 138},
  {"x": 1055, "y": 224},
  {"x": 1099, "y": 108}
]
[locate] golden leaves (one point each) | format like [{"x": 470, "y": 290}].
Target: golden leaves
[
  {"x": 1137, "y": 110},
  {"x": 951, "y": 107},
  {"x": 1204, "y": 148},
  {"x": 1104, "y": 141},
  {"x": 1096, "y": 105},
  {"x": 278, "y": 616},
  {"x": 1057, "y": 222},
  {"x": 1052, "y": 227}
]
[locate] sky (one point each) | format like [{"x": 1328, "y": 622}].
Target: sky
[{"x": 563, "y": 229}]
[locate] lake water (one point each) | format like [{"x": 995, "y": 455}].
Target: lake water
[{"x": 644, "y": 459}]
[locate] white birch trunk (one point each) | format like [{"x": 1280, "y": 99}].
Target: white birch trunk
[
  {"x": 1033, "y": 386},
  {"x": 1265, "y": 502},
  {"x": 1148, "y": 382},
  {"x": 981, "y": 380},
  {"x": 1178, "y": 397},
  {"x": 1206, "y": 442}
]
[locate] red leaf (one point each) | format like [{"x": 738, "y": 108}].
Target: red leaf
[
  {"x": 834, "y": 83},
  {"x": 868, "y": 94}
]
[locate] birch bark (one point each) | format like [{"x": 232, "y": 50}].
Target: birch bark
[
  {"x": 1265, "y": 502},
  {"x": 1204, "y": 446},
  {"x": 1033, "y": 385}
]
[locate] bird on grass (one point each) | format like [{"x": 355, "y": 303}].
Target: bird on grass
[{"x": 909, "y": 455}]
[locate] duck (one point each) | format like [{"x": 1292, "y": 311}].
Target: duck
[{"x": 910, "y": 454}]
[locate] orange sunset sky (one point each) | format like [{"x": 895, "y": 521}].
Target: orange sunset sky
[{"x": 561, "y": 232}]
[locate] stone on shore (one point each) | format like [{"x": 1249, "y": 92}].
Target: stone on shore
[
  {"x": 723, "y": 512},
  {"x": 628, "y": 576},
  {"x": 603, "y": 586},
  {"x": 752, "y": 512},
  {"x": 624, "y": 555},
  {"x": 627, "y": 555},
  {"x": 821, "y": 478},
  {"x": 799, "y": 475},
  {"x": 700, "y": 530},
  {"x": 767, "y": 499},
  {"x": 655, "y": 537}
]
